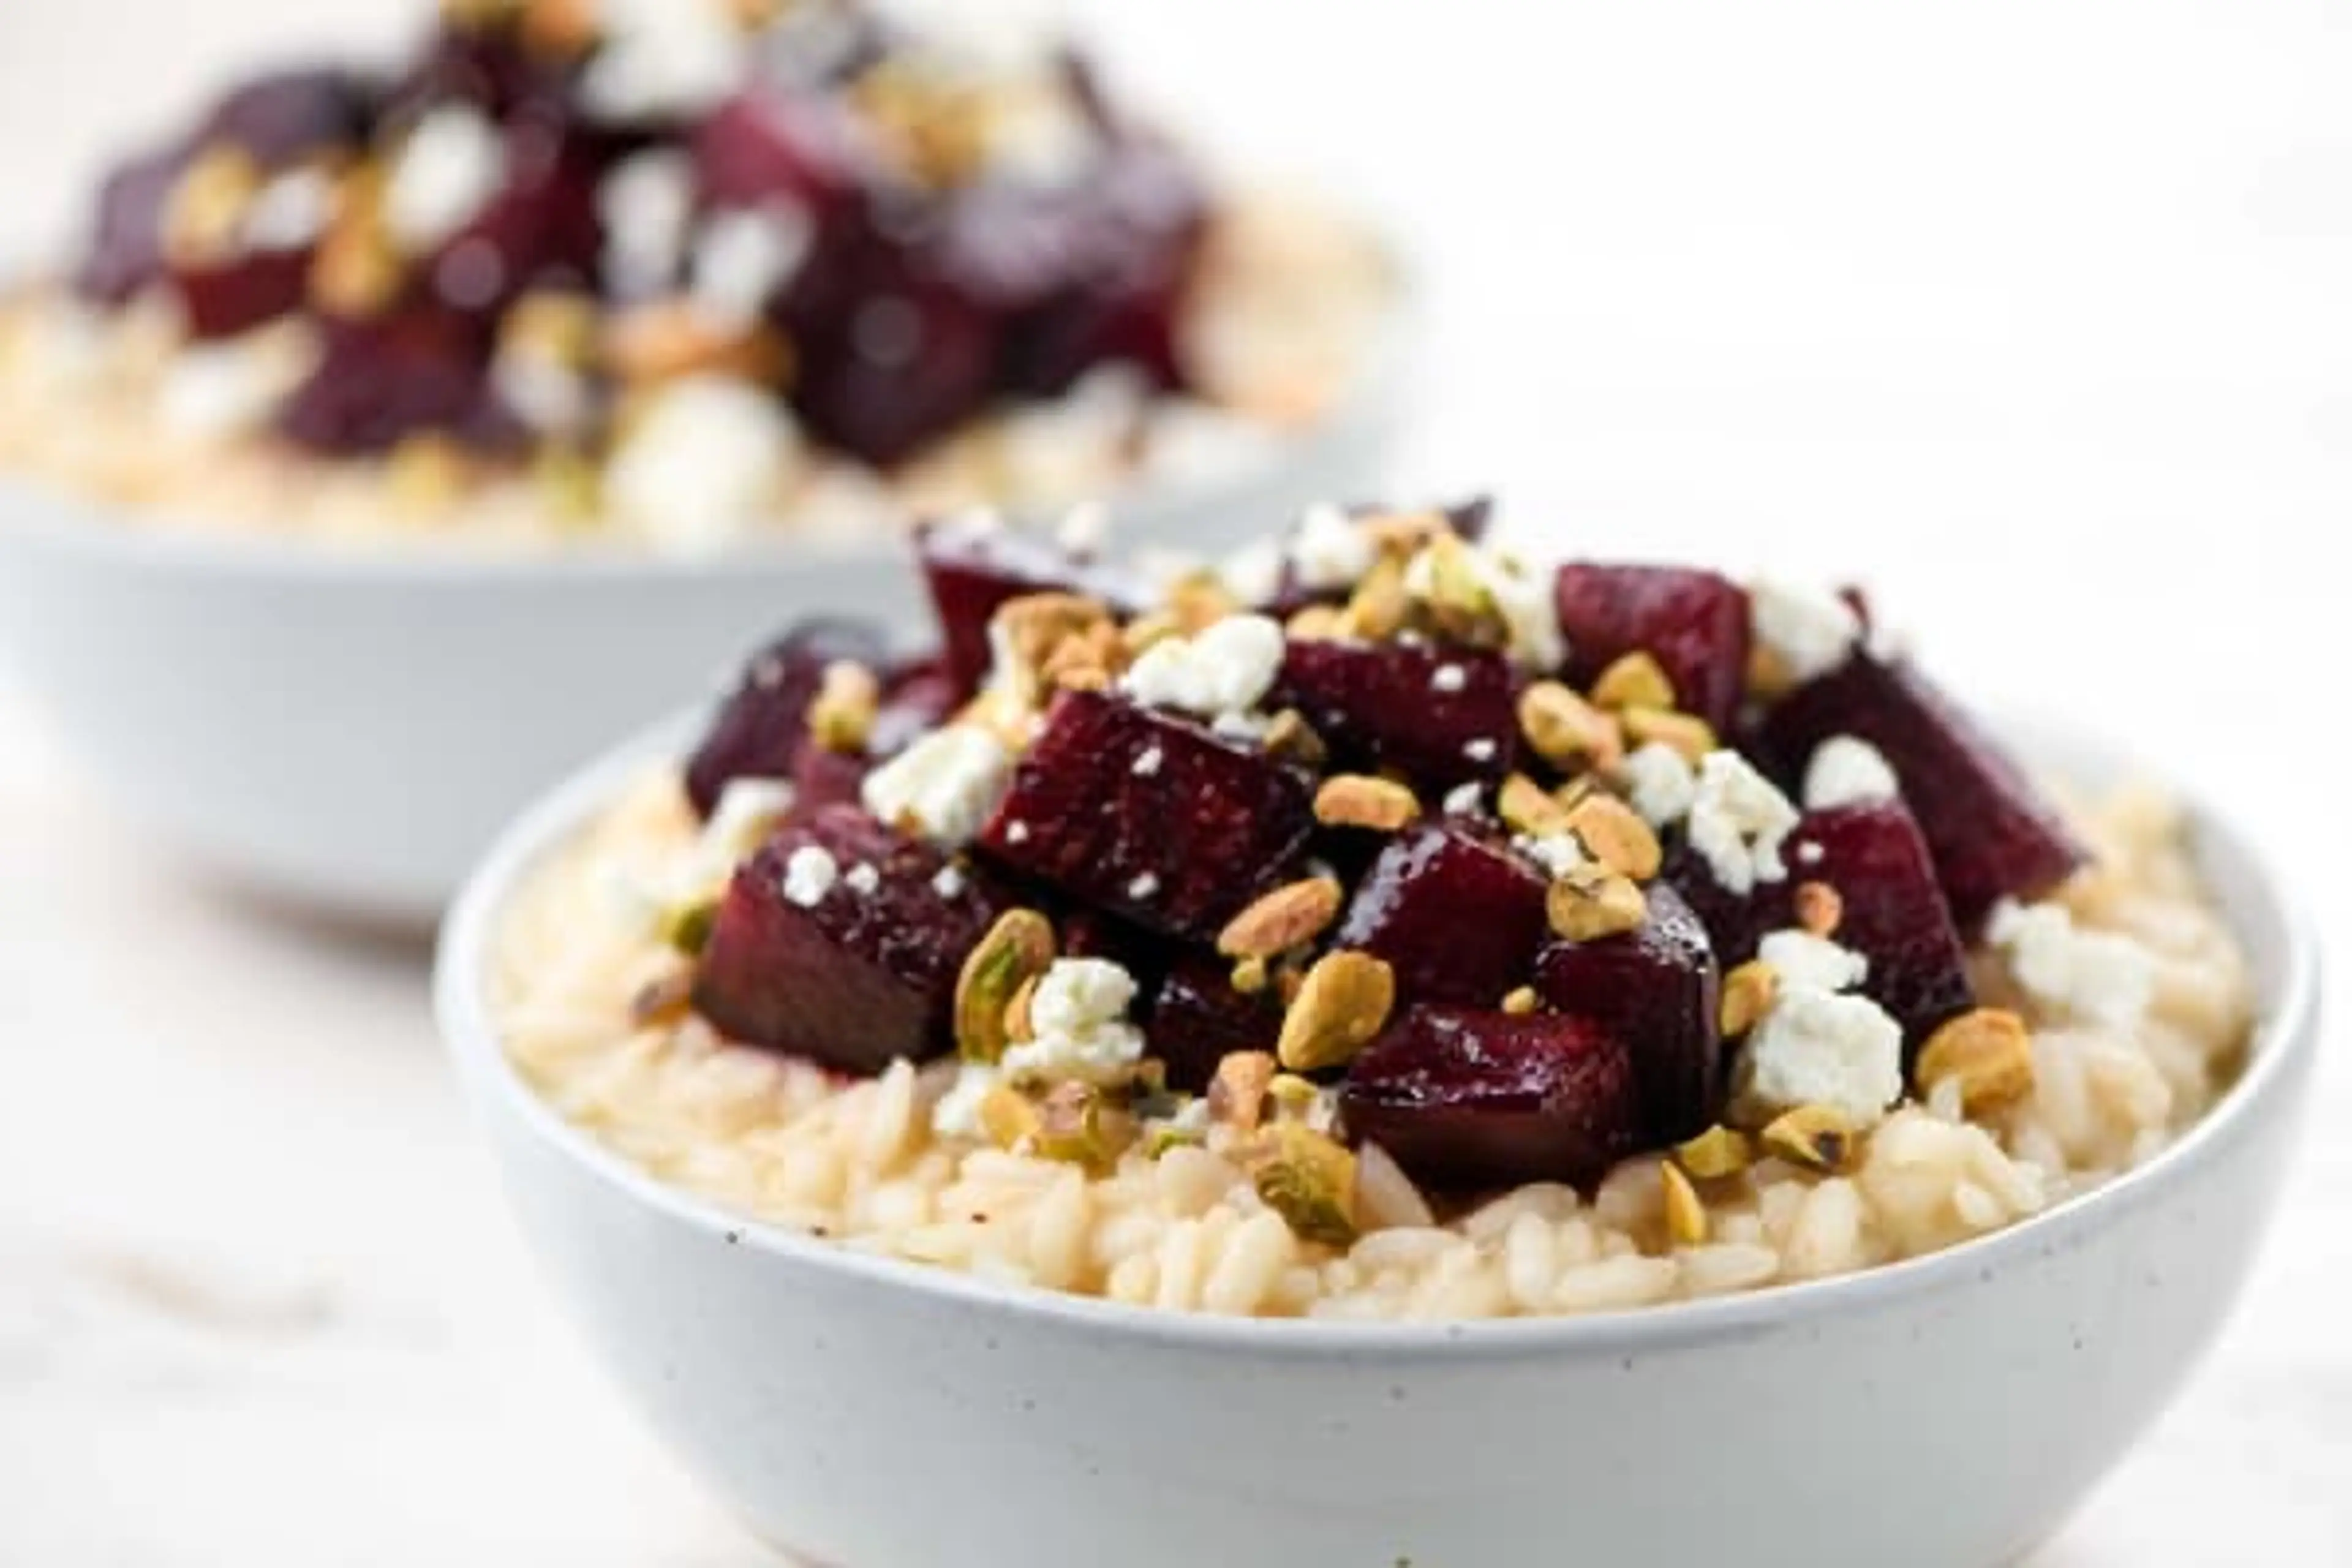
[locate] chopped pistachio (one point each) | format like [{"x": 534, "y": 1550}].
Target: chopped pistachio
[
  {"x": 1289, "y": 916},
  {"x": 1768, "y": 674},
  {"x": 425, "y": 474},
  {"x": 206, "y": 211},
  {"x": 664, "y": 340},
  {"x": 1686, "y": 1219},
  {"x": 687, "y": 927},
  {"x": 1076, "y": 1125},
  {"x": 1614, "y": 834},
  {"x": 1200, "y": 600},
  {"x": 1819, "y": 907},
  {"x": 1292, "y": 1094},
  {"x": 841, "y": 715},
  {"x": 1818, "y": 1137},
  {"x": 1237, "y": 1093},
  {"x": 1317, "y": 622},
  {"x": 568, "y": 481},
  {"x": 1592, "y": 902},
  {"x": 562, "y": 29},
  {"x": 1748, "y": 992},
  {"x": 1031, "y": 628},
  {"x": 1717, "y": 1152},
  {"x": 1686, "y": 734},
  {"x": 1636, "y": 681},
  {"x": 1018, "y": 1026},
  {"x": 1008, "y": 1117},
  {"x": 1989, "y": 1049},
  {"x": 1377, "y": 609},
  {"x": 1309, "y": 1180},
  {"x": 1342, "y": 1004},
  {"x": 1458, "y": 601},
  {"x": 1521, "y": 1001},
  {"x": 1289, "y": 736},
  {"x": 662, "y": 1001},
  {"x": 1017, "y": 949},
  {"x": 356, "y": 269},
  {"x": 1565, "y": 730},
  {"x": 1359, "y": 800},
  {"x": 1528, "y": 808},
  {"x": 1164, "y": 1136},
  {"x": 1249, "y": 977}
]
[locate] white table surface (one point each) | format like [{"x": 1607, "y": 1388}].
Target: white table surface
[{"x": 2037, "y": 313}]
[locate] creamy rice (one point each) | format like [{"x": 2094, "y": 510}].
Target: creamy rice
[
  {"x": 115, "y": 407},
  {"x": 782, "y": 1142}
]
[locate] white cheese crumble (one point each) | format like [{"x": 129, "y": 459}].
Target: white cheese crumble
[
  {"x": 1480, "y": 749},
  {"x": 1848, "y": 772},
  {"x": 662, "y": 59},
  {"x": 1330, "y": 549},
  {"x": 863, "y": 879},
  {"x": 1079, "y": 1015},
  {"x": 1660, "y": 784},
  {"x": 948, "y": 882},
  {"x": 2102, "y": 976},
  {"x": 1448, "y": 677},
  {"x": 211, "y": 392},
  {"x": 742, "y": 258},
  {"x": 1521, "y": 595},
  {"x": 957, "y": 1114},
  {"x": 452, "y": 162},
  {"x": 1808, "y": 627},
  {"x": 1083, "y": 528},
  {"x": 550, "y": 395},
  {"x": 1556, "y": 853},
  {"x": 1814, "y": 1047},
  {"x": 1738, "y": 822},
  {"x": 1016, "y": 832},
  {"x": 1148, "y": 761},
  {"x": 1801, "y": 958},
  {"x": 707, "y": 455},
  {"x": 646, "y": 205},
  {"x": 291, "y": 211},
  {"x": 1463, "y": 799},
  {"x": 810, "y": 873},
  {"x": 1253, "y": 573},
  {"x": 747, "y": 812},
  {"x": 944, "y": 785},
  {"x": 1224, "y": 669},
  {"x": 1144, "y": 885}
]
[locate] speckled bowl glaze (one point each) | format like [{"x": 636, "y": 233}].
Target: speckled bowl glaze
[
  {"x": 347, "y": 727},
  {"x": 1943, "y": 1413}
]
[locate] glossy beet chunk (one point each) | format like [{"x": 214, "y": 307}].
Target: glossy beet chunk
[
  {"x": 1197, "y": 1018},
  {"x": 222, "y": 298},
  {"x": 972, "y": 566},
  {"x": 1656, "y": 989},
  {"x": 1991, "y": 833},
  {"x": 1464, "y": 1099},
  {"x": 1440, "y": 716},
  {"x": 1148, "y": 816},
  {"x": 762, "y": 726},
  {"x": 125, "y": 253},
  {"x": 901, "y": 367},
  {"x": 854, "y": 978},
  {"x": 284, "y": 116},
  {"x": 541, "y": 228},
  {"x": 1694, "y": 623},
  {"x": 1894, "y": 913},
  {"x": 414, "y": 372},
  {"x": 1452, "y": 909}
]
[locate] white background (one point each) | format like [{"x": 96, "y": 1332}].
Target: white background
[{"x": 2038, "y": 315}]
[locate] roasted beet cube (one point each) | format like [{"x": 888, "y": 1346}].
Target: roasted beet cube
[
  {"x": 810, "y": 961},
  {"x": 822, "y": 777},
  {"x": 1463, "y": 1098},
  {"x": 1694, "y": 623},
  {"x": 126, "y": 243},
  {"x": 1991, "y": 833},
  {"x": 1452, "y": 909},
  {"x": 973, "y": 566},
  {"x": 1197, "y": 1018},
  {"x": 1894, "y": 909},
  {"x": 1441, "y": 715},
  {"x": 906, "y": 364},
  {"x": 541, "y": 228},
  {"x": 283, "y": 116},
  {"x": 1150, "y": 815},
  {"x": 917, "y": 697},
  {"x": 414, "y": 372},
  {"x": 761, "y": 728},
  {"x": 763, "y": 144},
  {"x": 1656, "y": 988},
  {"x": 222, "y": 298},
  {"x": 1734, "y": 922}
]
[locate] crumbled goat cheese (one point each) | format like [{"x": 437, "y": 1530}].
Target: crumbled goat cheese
[
  {"x": 1479, "y": 750},
  {"x": 1253, "y": 573},
  {"x": 1814, "y": 1047},
  {"x": 2102, "y": 976},
  {"x": 291, "y": 211},
  {"x": 1247, "y": 728},
  {"x": 863, "y": 879},
  {"x": 957, "y": 1114},
  {"x": 1809, "y": 628},
  {"x": 948, "y": 882},
  {"x": 1143, "y": 886},
  {"x": 1016, "y": 832},
  {"x": 1147, "y": 762},
  {"x": 748, "y": 810},
  {"x": 1448, "y": 677},
  {"x": 550, "y": 395},
  {"x": 944, "y": 784},
  {"x": 810, "y": 873},
  {"x": 1848, "y": 772},
  {"x": 211, "y": 392},
  {"x": 646, "y": 205},
  {"x": 1810, "y": 854},
  {"x": 742, "y": 258},
  {"x": 1083, "y": 528},
  {"x": 1463, "y": 799},
  {"x": 1556, "y": 853},
  {"x": 1042, "y": 141},
  {"x": 1078, "y": 1014},
  {"x": 452, "y": 162},
  {"x": 1738, "y": 822},
  {"x": 1224, "y": 669},
  {"x": 1330, "y": 549},
  {"x": 1801, "y": 958},
  {"x": 1660, "y": 784},
  {"x": 661, "y": 59},
  {"x": 1522, "y": 597},
  {"x": 705, "y": 459}
]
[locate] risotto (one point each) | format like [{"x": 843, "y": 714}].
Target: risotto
[{"x": 1848, "y": 1121}]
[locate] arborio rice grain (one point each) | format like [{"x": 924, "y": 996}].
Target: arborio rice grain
[{"x": 782, "y": 1142}]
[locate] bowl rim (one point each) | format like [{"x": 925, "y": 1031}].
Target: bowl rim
[
  {"x": 2285, "y": 1039},
  {"x": 59, "y": 517}
]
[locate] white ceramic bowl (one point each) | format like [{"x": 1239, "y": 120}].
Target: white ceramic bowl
[
  {"x": 347, "y": 728},
  {"x": 1943, "y": 1413}
]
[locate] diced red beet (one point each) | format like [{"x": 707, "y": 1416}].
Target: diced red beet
[
  {"x": 856, "y": 978},
  {"x": 541, "y": 227},
  {"x": 1894, "y": 909},
  {"x": 1148, "y": 816},
  {"x": 125, "y": 253},
  {"x": 413, "y": 372},
  {"x": 1463, "y": 1098},
  {"x": 1694, "y": 623},
  {"x": 1452, "y": 909},
  {"x": 221, "y": 298},
  {"x": 763, "y": 144},
  {"x": 1656, "y": 988},
  {"x": 973, "y": 566},
  {"x": 822, "y": 777},
  {"x": 1439, "y": 715},
  {"x": 283, "y": 116},
  {"x": 761, "y": 728},
  {"x": 909, "y": 362},
  {"x": 1197, "y": 1017},
  {"x": 1469, "y": 519},
  {"x": 1991, "y": 833},
  {"x": 917, "y": 697}
]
